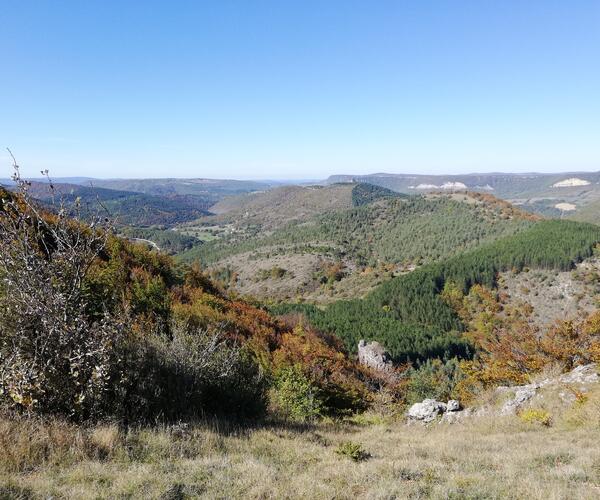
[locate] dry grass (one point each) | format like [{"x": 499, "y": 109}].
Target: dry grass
[{"x": 494, "y": 458}]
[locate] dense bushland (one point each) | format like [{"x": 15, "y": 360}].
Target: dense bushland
[{"x": 87, "y": 328}]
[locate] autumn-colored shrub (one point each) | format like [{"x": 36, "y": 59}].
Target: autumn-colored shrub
[
  {"x": 86, "y": 328},
  {"x": 55, "y": 357},
  {"x": 322, "y": 360},
  {"x": 511, "y": 348},
  {"x": 92, "y": 325}
]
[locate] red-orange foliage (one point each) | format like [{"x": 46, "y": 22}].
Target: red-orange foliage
[
  {"x": 510, "y": 346},
  {"x": 277, "y": 345}
]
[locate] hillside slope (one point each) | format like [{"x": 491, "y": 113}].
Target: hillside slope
[
  {"x": 128, "y": 207},
  {"x": 171, "y": 343},
  {"x": 343, "y": 253},
  {"x": 587, "y": 213},
  {"x": 408, "y": 315},
  {"x": 216, "y": 188},
  {"x": 280, "y": 206}
]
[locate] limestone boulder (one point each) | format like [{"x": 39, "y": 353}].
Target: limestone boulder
[{"x": 374, "y": 355}]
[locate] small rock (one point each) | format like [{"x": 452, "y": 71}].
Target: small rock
[
  {"x": 452, "y": 405},
  {"x": 452, "y": 417}
]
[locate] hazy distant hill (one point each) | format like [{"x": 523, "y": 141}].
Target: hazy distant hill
[
  {"x": 129, "y": 207},
  {"x": 289, "y": 198},
  {"x": 210, "y": 189},
  {"x": 545, "y": 194},
  {"x": 504, "y": 185},
  {"x": 203, "y": 187},
  {"x": 61, "y": 180}
]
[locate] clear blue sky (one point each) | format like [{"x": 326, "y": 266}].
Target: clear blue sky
[{"x": 299, "y": 89}]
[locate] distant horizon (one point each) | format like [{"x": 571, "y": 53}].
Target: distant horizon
[{"x": 303, "y": 180}]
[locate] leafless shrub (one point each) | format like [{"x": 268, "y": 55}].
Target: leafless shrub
[{"x": 53, "y": 356}]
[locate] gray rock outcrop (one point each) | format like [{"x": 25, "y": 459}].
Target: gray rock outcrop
[
  {"x": 584, "y": 374},
  {"x": 429, "y": 409},
  {"x": 581, "y": 375},
  {"x": 373, "y": 355},
  {"x": 513, "y": 398},
  {"x": 522, "y": 395}
]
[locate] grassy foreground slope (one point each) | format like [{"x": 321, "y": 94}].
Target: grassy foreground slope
[
  {"x": 408, "y": 314},
  {"x": 496, "y": 458}
]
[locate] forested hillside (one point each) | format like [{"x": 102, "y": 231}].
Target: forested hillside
[
  {"x": 385, "y": 233},
  {"x": 393, "y": 230},
  {"x": 277, "y": 207},
  {"x": 364, "y": 193},
  {"x": 127, "y": 207},
  {"x": 408, "y": 313},
  {"x": 166, "y": 240}
]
